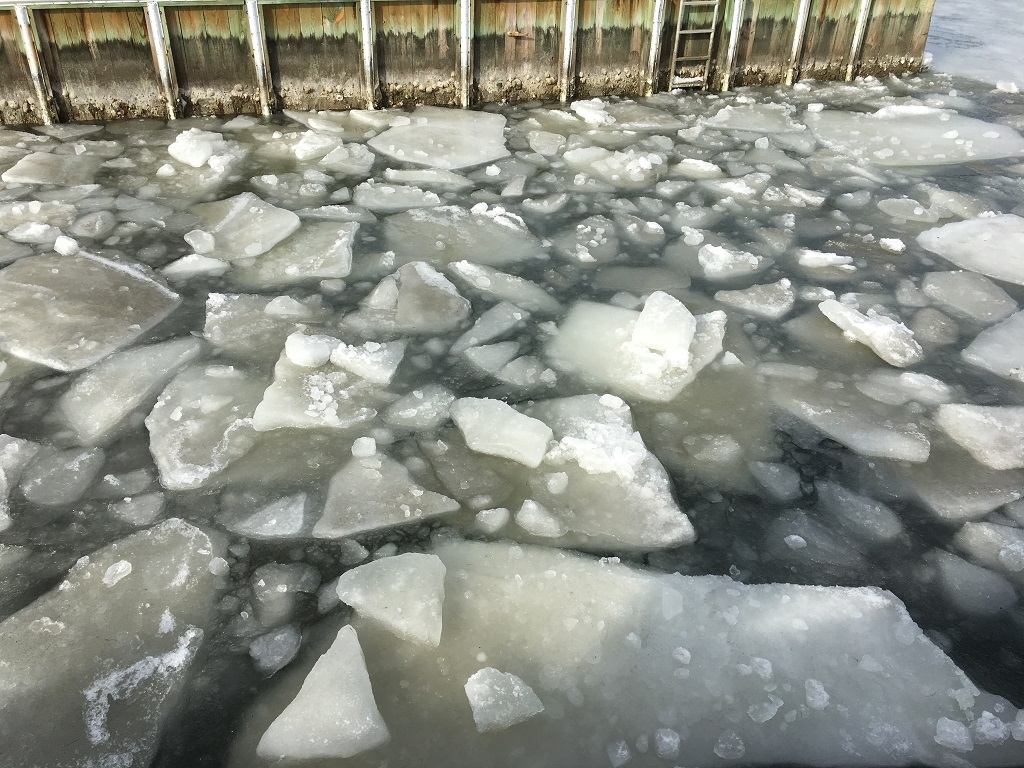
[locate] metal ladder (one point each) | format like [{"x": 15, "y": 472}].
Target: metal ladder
[{"x": 683, "y": 33}]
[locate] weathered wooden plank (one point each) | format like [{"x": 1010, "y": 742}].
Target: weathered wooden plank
[
  {"x": 896, "y": 35},
  {"x": 100, "y": 63},
  {"x": 213, "y": 60},
  {"x": 417, "y": 52},
  {"x": 314, "y": 55},
  {"x": 517, "y": 49},
  {"x": 18, "y": 101},
  {"x": 612, "y": 39}
]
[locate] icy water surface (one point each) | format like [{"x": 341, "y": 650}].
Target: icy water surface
[{"x": 682, "y": 432}]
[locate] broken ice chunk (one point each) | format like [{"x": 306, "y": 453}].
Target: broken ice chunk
[
  {"x": 500, "y": 700},
  {"x": 46, "y": 168},
  {"x": 914, "y": 135},
  {"x": 496, "y": 322},
  {"x": 255, "y": 328},
  {"x": 195, "y": 147},
  {"x": 994, "y": 435},
  {"x": 899, "y": 387},
  {"x": 388, "y": 198},
  {"x": 423, "y": 408},
  {"x": 850, "y": 419},
  {"x": 969, "y": 295},
  {"x": 595, "y": 341},
  {"x": 375, "y": 362},
  {"x": 631, "y": 169},
  {"x": 998, "y": 547},
  {"x": 283, "y": 518},
  {"x": 867, "y": 519},
  {"x": 244, "y": 226},
  {"x": 781, "y": 481},
  {"x": 498, "y": 429},
  {"x": 416, "y": 299},
  {"x": 104, "y": 656},
  {"x": 201, "y": 423},
  {"x": 998, "y": 349},
  {"x": 276, "y": 649},
  {"x": 719, "y": 262},
  {"x": 445, "y": 138},
  {"x": 374, "y": 493},
  {"x": 324, "y": 397},
  {"x": 889, "y": 339},
  {"x": 665, "y": 325},
  {"x": 403, "y": 593},
  {"x": 319, "y": 250},
  {"x": 539, "y": 521},
  {"x": 334, "y": 714},
  {"x": 499, "y": 285},
  {"x": 55, "y": 478},
  {"x": 970, "y": 588},
  {"x": 772, "y": 300},
  {"x": 488, "y": 235},
  {"x": 101, "y": 399},
  {"x": 989, "y": 245},
  {"x": 68, "y": 312}
]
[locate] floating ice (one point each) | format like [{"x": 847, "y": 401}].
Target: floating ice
[
  {"x": 445, "y": 138},
  {"x": 891, "y": 340},
  {"x": 772, "y": 300},
  {"x": 500, "y": 700},
  {"x": 244, "y": 226},
  {"x": 68, "y": 312},
  {"x": 374, "y": 493},
  {"x": 402, "y": 593},
  {"x": 55, "y": 478},
  {"x": 609, "y": 662},
  {"x": 91, "y": 656},
  {"x": 196, "y": 147},
  {"x": 421, "y": 409},
  {"x": 499, "y": 285},
  {"x": 487, "y": 235},
  {"x": 202, "y": 422},
  {"x": 994, "y": 435},
  {"x": 718, "y": 262},
  {"x": 632, "y": 169},
  {"x": 101, "y": 399},
  {"x": 334, "y": 715},
  {"x": 46, "y": 168},
  {"x": 990, "y": 245},
  {"x": 317, "y": 251},
  {"x": 250, "y": 327},
  {"x": 912, "y": 135},
  {"x": 497, "y": 429},
  {"x": 999, "y": 349},
  {"x": 416, "y": 299},
  {"x": 596, "y": 342}
]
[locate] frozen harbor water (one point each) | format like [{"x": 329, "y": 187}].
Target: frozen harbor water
[{"x": 680, "y": 432}]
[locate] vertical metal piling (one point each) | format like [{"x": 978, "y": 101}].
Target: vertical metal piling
[
  {"x": 40, "y": 80},
  {"x": 654, "y": 54},
  {"x": 258, "y": 41},
  {"x": 858, "y": 39},
  {"x": 367, "y": 40},
  {"x": 734, "y": 42},
  {"x": 798, "y": 40},
  {"x": 566, "y": 76},
  {"x": 156, "y": 23},
  {"x": 466, "y": 52}
]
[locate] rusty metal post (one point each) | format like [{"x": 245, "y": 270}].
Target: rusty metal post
[
  {"x": 565, "y": 76},
  {"x": 798, "y": 40},
  {"x": 858, "y": 39},
  {"x": 657, "y": 27},
  {"x": 366, "y": 39},
  {"x": 734, "y": 42},
  {"x": 40, "y": 79},
  {"x": 258, "y": 40},
  {"x": 156, "y": 24},
  {"x": 466, "y": 52}
]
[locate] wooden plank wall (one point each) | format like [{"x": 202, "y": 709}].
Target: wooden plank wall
[
  {"x": 17, "y": 98},
  {"x": 213, "y": 59},
  {"x": 518, "y": 49},
  {"x": 313, "y": 51},
  {"x": 101, "y": 67},
  {"x": 100, "y": 63}
]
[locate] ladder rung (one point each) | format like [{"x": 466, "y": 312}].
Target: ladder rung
[
  {"x": 690, "y": 3},
  {"x": 696, "y": 31},
  {"x": 688, "y": 81},
  {"x": 691, "y": 58}
]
